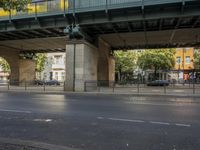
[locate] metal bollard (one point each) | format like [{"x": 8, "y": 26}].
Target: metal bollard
[
  {"x": 8, "y": 85},
  {"x": 113, "y": 87},
  {"x": 165, "y": 89},
  {"x": 138, "y": 88},
  {"x": 25, "y": 85},
  {"x": 44, "y": 87},
  {"x": 99, "y": 88},
  {"x": 194, "y": 88},
  {"x": 85, "y": 87}
]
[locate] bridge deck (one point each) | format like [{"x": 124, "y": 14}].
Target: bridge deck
[{"x": 122, "y": 23}]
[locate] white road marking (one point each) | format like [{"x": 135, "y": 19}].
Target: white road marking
[
  {"x": 16, "y": 111},
  {"x": 42, "y": 120},
  {"x": 146, "y": 103},
  {"x": 126, "y": 120},
  {"x": 160, "y": 123},
  {"x": 183, "y": 125},
  {"x": 48, "y": 120},
  {"x": 100, "y": 118},
  {"x": 152, "y": 122}
]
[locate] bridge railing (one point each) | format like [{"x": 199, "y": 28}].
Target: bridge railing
[{"x": 54, "y": 7}]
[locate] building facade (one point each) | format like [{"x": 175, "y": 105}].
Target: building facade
[
  {"x": 184, "y": 64},
  {"x": 54, "y": 67}
]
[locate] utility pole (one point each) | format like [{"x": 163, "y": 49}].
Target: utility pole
[{"x": 183, "y": 63}]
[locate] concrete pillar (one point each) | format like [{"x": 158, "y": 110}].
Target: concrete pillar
[
  {"x": 12, "y": 57},
  {"x": 81, "y": 65},
  {"x": 27, "y": 70},
  {"x": 111, "y": 68},
  {"x": 21, "y": 70},
  {"x": 106, "y": 62}
]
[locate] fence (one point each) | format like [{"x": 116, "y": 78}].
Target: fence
[
  {"x": 106, "y": 87},
  {"x": 142, "y": 88},
  {"x": 55, "y": 7},
  {"x": 51, "y": 86}
]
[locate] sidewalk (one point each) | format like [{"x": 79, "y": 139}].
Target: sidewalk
[
  {"x": 108, "y": 93},
  {"x": 15, "y": 144}
]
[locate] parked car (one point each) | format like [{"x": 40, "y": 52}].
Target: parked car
[
  {"x": 52, "y": 82},
  {"x": 158, "y": 83},
  {"x": 39, "y": 82}
]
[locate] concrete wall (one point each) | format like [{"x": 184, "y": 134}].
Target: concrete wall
[
  {"x": 20, "y": 69},
  {"x": 27, "y": 70},
  {"x": 111, "y": 68},
  {"x": 81, "y": 65},
  {"x": 106, "y": 62},
  {"x": 12, "y": 57}
]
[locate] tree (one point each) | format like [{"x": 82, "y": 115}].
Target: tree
[
  {"x": 161, "y": 59},
  {"x": 40, "y": 62},
  {"x": 14, "y": 4},
  {"x": 125, "y": 62},
  {"x": 4, "y": 65}
]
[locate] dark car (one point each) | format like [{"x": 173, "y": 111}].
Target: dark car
[
  {"x": 39, "y": 82},
  {"x": 158, "y": 83},
  {"x": 52, "y": 82}
]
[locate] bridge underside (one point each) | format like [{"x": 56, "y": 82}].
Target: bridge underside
[
  {"x": 151, "y": 24},
  {"x": 154, "y": 39},
  {"x": 117, "y": 41},
  {"x": 36, "y": 45},
  {"x": 145, "y": 25}
]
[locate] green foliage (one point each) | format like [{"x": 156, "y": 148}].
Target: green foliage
[
  {"x": 125, "y": 61},
  {"x": 4, "y": 65},
  {"x": 197, "y": 59},
  {"x": 14, "y": 4},
  {"x": 161, "y": 59},
  {"x": 40, "y": 62}
]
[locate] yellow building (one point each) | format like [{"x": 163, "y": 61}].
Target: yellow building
[{"x": 184, "y": 62}]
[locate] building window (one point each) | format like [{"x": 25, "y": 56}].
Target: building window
[
  {"x": 178, "y": 60},
  {"x": 57, "y": 59},
  {"x": 187, "y": 60},
  {"x": 56, "y": 75}
]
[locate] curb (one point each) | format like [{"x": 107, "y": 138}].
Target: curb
[
  {"x": 33, "y": 144},
  {"x": 103, "y": 93}
]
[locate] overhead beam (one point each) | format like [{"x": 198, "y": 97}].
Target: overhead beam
[
  {"x": 129, "y": 27},
  {"x": 196, "y": 22},
  {"x": 160, "y": 24},
  {"x": 174, "y": 31}
]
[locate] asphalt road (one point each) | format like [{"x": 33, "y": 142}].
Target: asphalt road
[{"x": 102, "y": 122}]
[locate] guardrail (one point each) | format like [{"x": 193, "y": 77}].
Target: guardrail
[
  {"x": 31, "y": 86},
  {"x": 54, "y": 7},
  {"x": 139, "y": 88},
  {"x": 105, "y": 87}
]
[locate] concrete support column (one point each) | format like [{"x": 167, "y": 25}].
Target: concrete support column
[
  {"x": 106, "y": 63},
  {"x": 21, "y": 69},
  {"x": 81, "y": 65},
  {"x": 12, "y": 57},
  {"x": 27, "y": 70}
]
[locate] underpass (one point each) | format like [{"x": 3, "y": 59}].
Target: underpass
[{"x": 94, "y": 30}]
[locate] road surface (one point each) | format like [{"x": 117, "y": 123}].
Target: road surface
[{"x": 102, "y": 122}]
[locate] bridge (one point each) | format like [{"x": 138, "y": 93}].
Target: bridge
[{"x": 104, "y": 26}]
